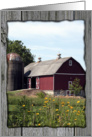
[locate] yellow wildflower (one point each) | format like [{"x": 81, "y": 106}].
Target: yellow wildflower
[
  {"x": 68, "y": 124},
  {"x": 75, "y": 119},
  {"x": 71, "y": 107},
  {"x": 23, "y": 105},
  {"x": 39, "y": 108},
  {"x": 77, "y": 114},
  {"x": 49, "y": 98},
  {"x": 45, "y": 101},
  {"x": 78, "y": 111},
  {"x": 32, "y": 105},
  {"x": 68, "y": 102},
  {"x": 62, "y": 103},
  {"x": 44, "y": 106},
  {"x": 37, "y": 113},
  {"x": 57, "y": 114},
  {"x": 74, "y": 111},
  {"x": 45, "y": 98},
  {"x": 28, "y": 111},
  {"x": 67, "y": 110},
  {"x": 56, "y": 109},
  {"x": 39, "y": 124},
  {"x": 78, "y": 101},
  {"x": 53, "y": 99}
]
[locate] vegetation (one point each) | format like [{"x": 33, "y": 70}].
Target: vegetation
[
  {"x": 75, "y": 87},
  {"x": 48, "y": 111},
  {"x": 18, "y": 47},
  {"x": 40, "y": 94}
]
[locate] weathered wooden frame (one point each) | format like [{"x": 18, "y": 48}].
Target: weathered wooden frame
[{"x": 19, "y": 15}]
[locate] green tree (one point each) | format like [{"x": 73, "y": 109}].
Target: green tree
[
  {"x": 18, "y": 47},
  {"x": 75, "y": 87}
]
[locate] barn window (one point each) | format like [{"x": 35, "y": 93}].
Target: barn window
[{"x": 70, "y": 62}]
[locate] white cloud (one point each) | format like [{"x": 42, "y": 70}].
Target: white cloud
[
  {"x": 47, "y": 56},
  {"x": 31, "y": 29},
  {"x": 45, "y": 48}
]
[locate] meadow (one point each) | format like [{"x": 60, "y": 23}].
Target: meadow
[{"x": 45, "y": 111}]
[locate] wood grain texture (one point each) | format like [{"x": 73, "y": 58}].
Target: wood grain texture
[
  {"x": 80, "y": 15},
  {"x": 32, "y": 131},
  {"x": 13, "y": 15},
  {"x": 3, "y": 22},
  {"x": 5, "y": 131},
  {"x": 87, "y": 131},
  {"x": 45, "y": 16}
]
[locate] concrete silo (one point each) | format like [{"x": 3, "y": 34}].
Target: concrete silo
[{"x": 15, "y": 72}]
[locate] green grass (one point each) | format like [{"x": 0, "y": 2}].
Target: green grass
[
  {"x": 14, "y": 92},
  {"x": 48, "y": 111}
]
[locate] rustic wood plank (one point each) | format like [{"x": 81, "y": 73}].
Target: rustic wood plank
[
  {"x": 13, "y": 15},
  {"x": 48, "y": 131},
  {"x": 32, "y": 131},
  {"x": 69, "y": 131},
  {"x": 4, "y": 129},
  {"x": 60, "y": 15},
  {"x": 80, "y": 15},
  {"x": 65, "y": 131},
  {"x": 44, "y": 15},
  {"x": 30, "y": 15},
  {"x": 38, "y": 15},
  {"x": 61, "y": 131},
  {"x": 87, "y": 131},
  {"x": 3, "y": 22},
  {"x": 47, "y": 15}
]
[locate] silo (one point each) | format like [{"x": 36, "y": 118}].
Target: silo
[{"x": 15, "y": 73}]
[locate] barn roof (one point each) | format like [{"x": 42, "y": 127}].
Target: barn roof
[{"x": 43, "y": 68}]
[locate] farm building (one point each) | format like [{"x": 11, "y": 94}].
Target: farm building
[
  {"x": 15, "y": 72},
  {"x": 54, "y": 76}
]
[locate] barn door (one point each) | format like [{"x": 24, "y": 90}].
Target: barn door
[
  {"x": 29, "y": 82},
  {"x": 37, "y": 83}
]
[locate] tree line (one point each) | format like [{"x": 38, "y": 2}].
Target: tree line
[{"x": 18, "y": 47}]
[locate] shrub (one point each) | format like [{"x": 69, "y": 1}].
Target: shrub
[
  {"x": 75, "y": 87},
  {"x": 40, "y": 94}
]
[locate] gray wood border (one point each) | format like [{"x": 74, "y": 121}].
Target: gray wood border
[{"x": 45, "y": 16}]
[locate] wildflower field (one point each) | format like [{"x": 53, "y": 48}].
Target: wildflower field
[{"x": 45, "y": 111}]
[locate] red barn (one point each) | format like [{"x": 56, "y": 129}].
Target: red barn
[{"x": 52, "y": 76}]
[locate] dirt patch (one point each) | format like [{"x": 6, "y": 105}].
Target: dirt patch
[
  {"x": 76, "y": 97},
  {"x": 30, "y": 92},
  {"x": 33, "y": 92}
]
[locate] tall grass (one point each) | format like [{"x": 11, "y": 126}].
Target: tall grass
[{"x": 48, "y": 111}]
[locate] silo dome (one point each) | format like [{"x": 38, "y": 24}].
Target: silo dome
[
  {"x": 15, "y": 72},
  {"x": 13, "y": 56}
]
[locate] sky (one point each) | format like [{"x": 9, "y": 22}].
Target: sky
[{"x": 47, "y": 39}]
